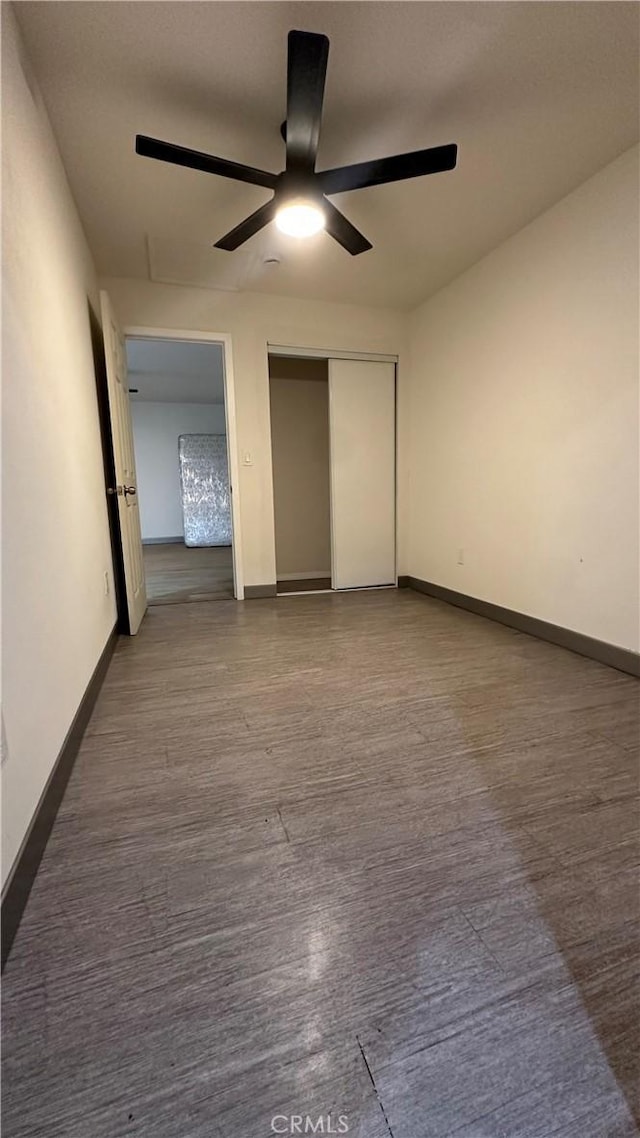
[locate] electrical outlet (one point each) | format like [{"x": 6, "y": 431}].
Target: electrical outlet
[
  {"x": 461, "y": 557},
  {"x": 106, "y": 583}
]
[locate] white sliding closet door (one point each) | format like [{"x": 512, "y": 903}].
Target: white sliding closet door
[{"x": 362, "y": 421}]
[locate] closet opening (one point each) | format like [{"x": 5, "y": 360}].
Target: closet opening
[{"x": 299, "y": 405}]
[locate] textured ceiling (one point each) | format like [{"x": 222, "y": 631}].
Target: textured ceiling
[
  {"x": 171, "y": 371},
  {"x": 538, "y": 96}
]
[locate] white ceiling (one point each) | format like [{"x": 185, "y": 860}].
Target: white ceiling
[
  {"x": 538, "y": 96},
  {"x": 169, "y": 371}
]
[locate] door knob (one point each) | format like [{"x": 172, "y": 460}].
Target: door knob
[
  {"x": 115, "y": 490},
  {"x": 129, "y": 490}
]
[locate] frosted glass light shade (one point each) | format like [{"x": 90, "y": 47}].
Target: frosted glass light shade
[{"x": 300, "y": 219}]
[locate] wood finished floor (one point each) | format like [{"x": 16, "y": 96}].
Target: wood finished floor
[
  {"x": 363, "y": 854},
  {"x": 178, "y": 573}
]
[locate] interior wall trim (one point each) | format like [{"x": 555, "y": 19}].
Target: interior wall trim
[
  {"x": 163, "y": 540},
  {"x": 25, "y": 867},
  {"x": 621, "y": 658},
  {"x": 257, "y": 592},
  {"x": 286, "y": 586},
  {"x": 327, "y": 354}
]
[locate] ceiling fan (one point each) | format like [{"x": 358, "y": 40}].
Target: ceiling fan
[{"x": 300, "y": 204}]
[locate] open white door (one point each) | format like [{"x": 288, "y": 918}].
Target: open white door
[
  {"x": 126, "y": 486},
  {"x": 363, "y": 484}
]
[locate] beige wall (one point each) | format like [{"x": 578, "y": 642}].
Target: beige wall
[
  {"x": 300, "y": 452},
  {"x": 253, "y": 320},
  {"x": 523, "y": 405},
  {"x": 56, "y": 617}
]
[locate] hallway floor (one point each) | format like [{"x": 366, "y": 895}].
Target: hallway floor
[
  {"x": 351, "y": 855},
  {"x": 176, "y": 573}
]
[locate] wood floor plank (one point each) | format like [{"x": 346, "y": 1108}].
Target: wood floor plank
[
  {"x": 355, "y": 854},
  {"x": 176, "y": 573}
]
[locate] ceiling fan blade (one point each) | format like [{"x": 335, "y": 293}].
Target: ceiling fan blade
[
  {"x": 248, "y": 227},
  {"x": 396, "y": 169},
  {"x": 306, "y": 72},
  {"x": 343, "y": 231},
  {"x": 196, "y": 160}
]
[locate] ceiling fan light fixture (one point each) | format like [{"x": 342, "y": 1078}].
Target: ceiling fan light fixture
[
  {"x": 301, "y": 204},
  {"x": 300, "y": 218}
]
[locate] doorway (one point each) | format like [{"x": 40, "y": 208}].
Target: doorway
[
  {"x": 179, "y": 419},
  {"x": 299, "y": 408}
]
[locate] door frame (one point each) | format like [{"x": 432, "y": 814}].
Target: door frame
[
  {"x": 145, "y": 332},
  {"x": 329, "y": 354},
  {"x": 326, "y": 354}
]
